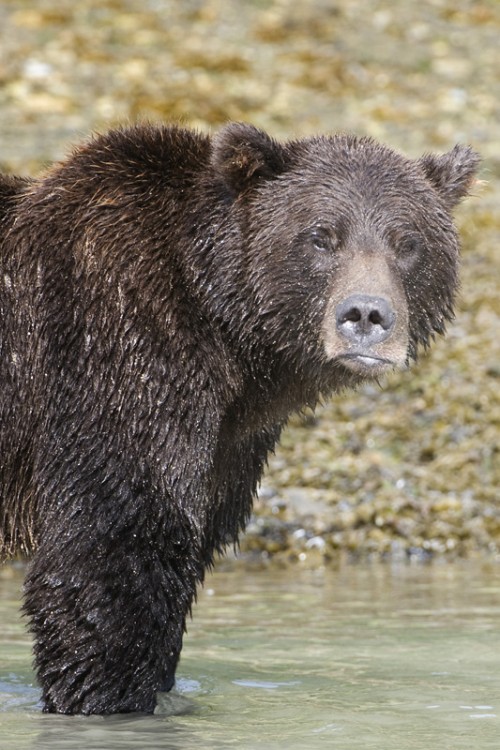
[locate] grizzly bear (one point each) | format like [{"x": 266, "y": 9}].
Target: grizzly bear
[{"x": 167, "y": 299}]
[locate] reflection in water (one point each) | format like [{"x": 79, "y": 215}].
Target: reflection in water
[{"x": 378, "y": 657}]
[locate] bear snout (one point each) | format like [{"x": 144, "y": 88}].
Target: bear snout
[
  {"x": 364, "y": 319},
  {"x": 367, "y": 333}
]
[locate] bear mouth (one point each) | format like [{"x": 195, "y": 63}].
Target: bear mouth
[{"x": 366, "y": 364}]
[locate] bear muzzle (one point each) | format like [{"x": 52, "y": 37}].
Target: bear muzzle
[
  {"x": 364, "y": 319},
  {"x": 367, "y": 333}
]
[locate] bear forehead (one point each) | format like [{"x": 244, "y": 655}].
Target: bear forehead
[
  {"x": 348, "y": 175},
  {"x": 348, "y": 146},
  {"x": 354, "y": 177},
  {"x": 347, "y": 158}
]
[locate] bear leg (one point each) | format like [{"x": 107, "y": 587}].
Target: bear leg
[{"x": 108, "y": 628}]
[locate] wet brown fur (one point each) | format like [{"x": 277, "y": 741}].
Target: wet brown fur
[{"x": 165, "y": 304}]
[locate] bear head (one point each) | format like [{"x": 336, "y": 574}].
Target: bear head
[{"x": 350, "y": 250}]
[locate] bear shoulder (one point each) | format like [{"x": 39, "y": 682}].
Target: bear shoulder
[
  {"x": 139, "y": 158},
  {"x": 12, "y": 187}
]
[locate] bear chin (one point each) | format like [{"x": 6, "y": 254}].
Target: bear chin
[{"x": 368, "y": 365}]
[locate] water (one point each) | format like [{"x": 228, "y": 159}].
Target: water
[{"x": 390, "y": 658}]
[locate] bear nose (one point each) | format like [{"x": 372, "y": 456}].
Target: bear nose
[{"x": 364, "y": 318}]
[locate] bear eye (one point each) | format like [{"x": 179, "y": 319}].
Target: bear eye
[
  {"x": 410, "y": 248},
  {"x": 323, "y": 240}
]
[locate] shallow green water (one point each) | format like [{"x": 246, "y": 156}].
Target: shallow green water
[{"x": 391, "y": 658}]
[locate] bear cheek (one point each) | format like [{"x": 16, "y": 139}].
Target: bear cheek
[{"x": 365, "y": 326}]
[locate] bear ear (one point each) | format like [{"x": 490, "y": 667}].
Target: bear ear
[
  {"x": 452, "y": 174},
  {"x": 242, "y": 155}
]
